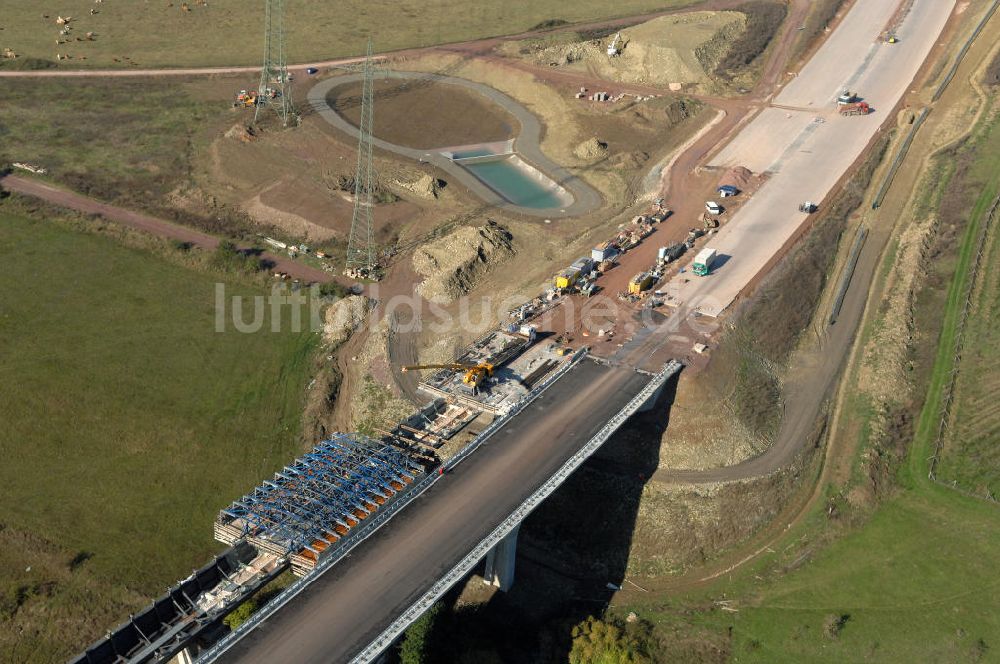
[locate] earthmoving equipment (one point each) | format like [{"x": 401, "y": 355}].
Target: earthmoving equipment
[
  {"x": 703, "y": 262},
  {"x": 808, "y": 207},
  {"x": 856, "y": 108},
  {"x": 613, "y": 48},
  {"x": 245, "y": 99},
  {"x": 847, "y": 97},
  {"x": 474, "y": 374}
]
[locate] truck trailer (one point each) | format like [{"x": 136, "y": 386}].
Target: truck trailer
[{"x": 703, "y": 262}]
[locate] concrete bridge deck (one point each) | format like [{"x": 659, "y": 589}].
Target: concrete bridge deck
[{"x": 350, "y": 605}]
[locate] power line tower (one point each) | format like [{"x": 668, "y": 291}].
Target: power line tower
[
  {"x": 275, "y": 89},
  {"x": 361, "y": 244}
]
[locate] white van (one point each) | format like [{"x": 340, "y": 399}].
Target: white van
[{"x": 713, "y": 207}]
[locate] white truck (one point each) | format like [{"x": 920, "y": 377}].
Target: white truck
[{"x": 703, "y": 262}]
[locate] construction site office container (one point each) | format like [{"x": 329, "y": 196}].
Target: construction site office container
[
  {"x": 603, "y": 252},
  {"x": 639, "y": 283},
  {"x": 584, "y": 265},
  {"x": 567, "y": 278}
]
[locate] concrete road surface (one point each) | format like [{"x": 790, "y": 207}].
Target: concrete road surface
[
  {"x": 807, "y": 151},
  {"x": 349, "y": 605}
]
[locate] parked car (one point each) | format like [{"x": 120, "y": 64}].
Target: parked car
[{"x": 311, "y": 70}]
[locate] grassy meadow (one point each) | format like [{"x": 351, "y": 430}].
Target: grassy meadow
[
  {"x": 126, "y": 423},
  {"x": 231, "y": 32}
]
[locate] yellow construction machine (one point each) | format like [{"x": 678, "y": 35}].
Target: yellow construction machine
[{"x": 474, "y": 374}]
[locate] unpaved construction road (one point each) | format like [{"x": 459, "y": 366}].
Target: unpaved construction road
[{"x": 149, "y": 224}]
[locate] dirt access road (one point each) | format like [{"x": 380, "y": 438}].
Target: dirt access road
[{"x": 149, "y": 224}]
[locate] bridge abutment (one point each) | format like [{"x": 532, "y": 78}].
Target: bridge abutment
[{"x": 500, "y": 562}]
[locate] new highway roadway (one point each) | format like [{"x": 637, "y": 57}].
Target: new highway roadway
[{"x": 349, "y": 605}]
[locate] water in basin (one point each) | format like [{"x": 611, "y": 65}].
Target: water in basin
[{"x": 517, "y": 182}]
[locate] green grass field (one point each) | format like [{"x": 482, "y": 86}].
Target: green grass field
[
  {"x": 971, "y": 456},
  {"x": 127, "y": 423},
  {"x": 118, "y": 139},
  {"x": 230, "y": 32}
]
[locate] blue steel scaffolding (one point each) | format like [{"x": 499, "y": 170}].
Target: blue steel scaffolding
[{"x": 319, "y": 498}]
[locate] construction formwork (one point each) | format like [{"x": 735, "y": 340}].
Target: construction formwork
[
  {"x": 435, "y": 423},
  {"x": 314, "y": 502},
  {"x": 496, "y": 347}
]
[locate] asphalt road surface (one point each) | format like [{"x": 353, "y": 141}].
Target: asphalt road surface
[{"x": 348, "y": 606}]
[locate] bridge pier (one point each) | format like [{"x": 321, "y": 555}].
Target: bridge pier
[{"x": 500, "y": 562}]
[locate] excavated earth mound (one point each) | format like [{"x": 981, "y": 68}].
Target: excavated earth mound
[
  {"x": 681, "y": 49},
  {"x": 454, "y": 264},
  {"x": 591, "y": 149}
]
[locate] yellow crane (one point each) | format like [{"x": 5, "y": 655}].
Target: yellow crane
[{"x": 474, "y": 375}]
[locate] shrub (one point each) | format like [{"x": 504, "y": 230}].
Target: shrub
[
  {"x": 416, "y": 641},
  {"x": 600, "y": 642}
]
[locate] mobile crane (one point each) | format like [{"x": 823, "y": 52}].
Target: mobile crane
[{"x": 474, "y": 374}]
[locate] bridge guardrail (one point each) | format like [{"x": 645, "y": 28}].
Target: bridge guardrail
[
  {"x": 436, "y": 591},
  {"x": 336, "y": 553}
]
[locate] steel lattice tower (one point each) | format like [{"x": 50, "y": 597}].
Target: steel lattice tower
[
  {"x": 275, "y": 89},
  {"x": 361, "y": 245}
]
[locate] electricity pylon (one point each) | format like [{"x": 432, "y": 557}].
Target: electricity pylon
[
  {"x": 361, "y": 244},
  {"x": 275, "y": 89}
]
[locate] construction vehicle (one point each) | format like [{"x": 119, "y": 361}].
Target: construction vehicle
[
  {"x": 245, "y": 99},
  {"x": 847, "y": 97},
  {"x": 856, "y": 108},
  {"x": 474, "y": 374},
  {"x": 703, "y": 262},
  {"x": 613, "y": 49}
]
